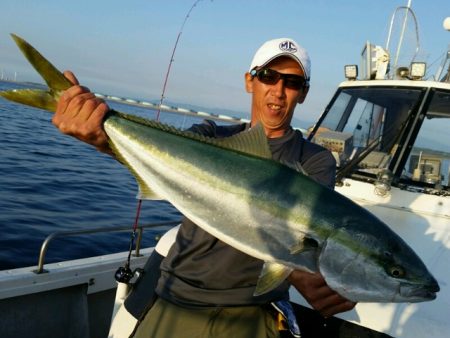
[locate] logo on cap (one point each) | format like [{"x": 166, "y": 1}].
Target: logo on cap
[{"x": 288, "y": 46}]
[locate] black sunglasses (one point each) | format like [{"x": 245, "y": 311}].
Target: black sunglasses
[{"x": 271, "y": 77}]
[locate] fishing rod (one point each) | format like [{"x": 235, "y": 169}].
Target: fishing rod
[
  {"x": 173, "y": 54},
  {"x": 124, "y": 274}
]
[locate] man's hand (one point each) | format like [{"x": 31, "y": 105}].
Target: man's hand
[
  {"x": 318, "y": 294},
  {"x": 80, "y": 113}
]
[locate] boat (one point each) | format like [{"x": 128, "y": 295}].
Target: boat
[
  {"x": 388, "y": 130},
  {"x": 387, "y": 126}
]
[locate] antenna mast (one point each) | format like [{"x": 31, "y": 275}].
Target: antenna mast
[{"x": 408, "y": 10}]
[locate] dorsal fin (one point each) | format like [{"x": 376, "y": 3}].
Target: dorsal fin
[{"x": 252, "y": 142}]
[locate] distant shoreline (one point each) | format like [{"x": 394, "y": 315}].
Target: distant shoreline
[{"x": 27, "y": 83}]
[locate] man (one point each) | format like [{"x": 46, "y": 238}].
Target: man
[{"x": 206, "y": 287}]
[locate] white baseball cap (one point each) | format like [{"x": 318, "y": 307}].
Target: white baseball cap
[{"x": 273, "y": 49}]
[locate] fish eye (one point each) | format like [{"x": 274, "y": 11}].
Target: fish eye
[{"x": 396, "y": 271}]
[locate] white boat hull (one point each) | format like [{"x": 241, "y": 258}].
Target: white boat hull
[{"x": 73, "y": 299}]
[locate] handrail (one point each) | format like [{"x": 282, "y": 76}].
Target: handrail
[{"x": 67, "y": 233}]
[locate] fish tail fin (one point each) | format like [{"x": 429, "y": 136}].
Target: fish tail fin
[
  {"x": 55, "y": 80},
  {"x": 37, "y": 98}
]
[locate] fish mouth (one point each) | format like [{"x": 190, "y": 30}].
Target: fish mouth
[{"x": 418, "y": 293}]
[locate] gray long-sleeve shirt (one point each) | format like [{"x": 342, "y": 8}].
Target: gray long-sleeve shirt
[{"x": 201, "y": 270}]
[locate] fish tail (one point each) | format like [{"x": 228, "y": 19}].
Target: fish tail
[
  {"x": 37, "y": 98},
  {"x": 55, "y": 80}
]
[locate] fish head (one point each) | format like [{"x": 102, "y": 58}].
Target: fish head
[{"x": 378, "y": 267}]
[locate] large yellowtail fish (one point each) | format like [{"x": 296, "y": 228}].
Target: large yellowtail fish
[{"x": 234, "y": 190}]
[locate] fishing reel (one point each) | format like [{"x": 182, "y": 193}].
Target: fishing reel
[{"x": 124, "y": 274}]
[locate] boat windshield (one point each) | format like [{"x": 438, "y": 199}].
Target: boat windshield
[
  {"x": 428, "y": 163},
  {"x": 374, "y": 129}
]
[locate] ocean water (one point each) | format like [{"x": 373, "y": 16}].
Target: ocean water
[{"x": 51, "y": 182}]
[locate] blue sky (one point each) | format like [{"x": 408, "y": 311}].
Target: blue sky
[{"x": 124, "y": 47}]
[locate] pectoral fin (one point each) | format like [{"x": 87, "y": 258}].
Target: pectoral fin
[
  {"x": 304, "y": 243},
  {"x": 272, "y": 275}
]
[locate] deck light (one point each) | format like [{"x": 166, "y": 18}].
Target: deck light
[
  {"x": 446, "y": 23},
  {"x": 417, "y": 70},
  {"x": 402, "y": 72},
  {"x": 351, "y": 72}
]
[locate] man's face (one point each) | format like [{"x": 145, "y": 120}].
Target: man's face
[{"x": 273, "y": 104}]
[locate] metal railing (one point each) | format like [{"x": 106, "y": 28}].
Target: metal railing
[{"x": 59, "y": 234}]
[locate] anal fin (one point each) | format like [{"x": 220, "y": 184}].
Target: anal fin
[
  {"x": 272, "y": 275},
  {"x": 144, "y": 191}
]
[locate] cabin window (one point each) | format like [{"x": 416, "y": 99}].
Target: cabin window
[
  {"x": 366, "y": 118},
  {"x": 334, "y": 115},
  {"x": 428, "y": 165},
  {"x": 365, "y": 122}
]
